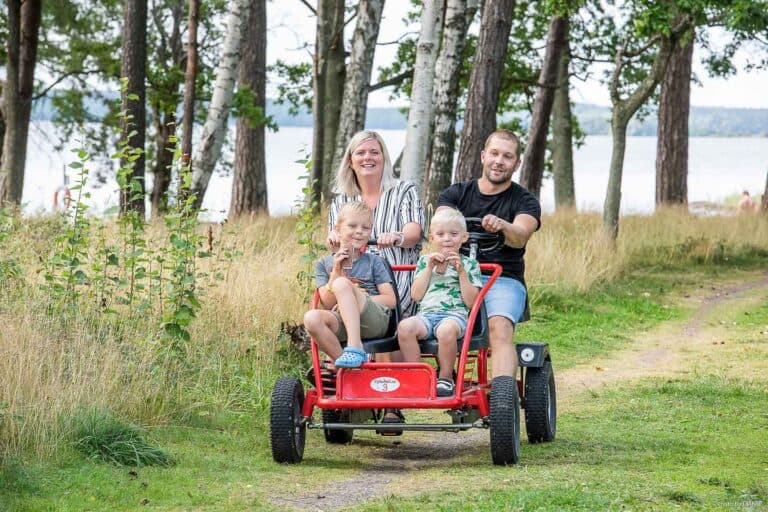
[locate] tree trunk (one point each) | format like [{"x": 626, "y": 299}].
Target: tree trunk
[
  {"x": 672, "y": 135},
  {"x": 164, "y": 90},
  {"x": 458, "y": 17},
  {"x": 133, "y": 66},
  {"x": 326, "y": 84},
  {"x": 562, "y": 136},
  {"x": 215, "y": 127},
  {"x": 249, "y": 186},
  {"x": 623, "y": 110},
  {"x": 484, "y": 84},
  {"x": 532, "y": 171},
  {"x": 764, "y": 202},
  {"x": 23, "y": 30},
  {"x": 190, "y": 77},
  {"x": 355, "y": 103},
  {"x": 417, "y": 135}
]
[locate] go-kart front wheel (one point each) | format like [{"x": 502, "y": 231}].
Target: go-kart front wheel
[
  {"x": 287, "y": 431},
  {"x": 505, "y": 421},
  {"x": 540, "y": 403}
]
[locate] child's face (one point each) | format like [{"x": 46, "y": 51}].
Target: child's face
[
  {"x": 354, "y": 229},
  {"x": 448, "y": 237}
]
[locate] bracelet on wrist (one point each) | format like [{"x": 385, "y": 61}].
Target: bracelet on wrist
[{"x": 400, "y": 234}]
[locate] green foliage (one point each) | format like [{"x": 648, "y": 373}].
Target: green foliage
[
  {"x": 308, "y": 224},
  {"x": 294, "y": 85},
  {"x": 10, "y": 269},
  {"x": 15, "y": 477},
  {"x": 66, "y": 272},
  {"x": 244, "y": 105},
  {"x": 99, "y": 435}
]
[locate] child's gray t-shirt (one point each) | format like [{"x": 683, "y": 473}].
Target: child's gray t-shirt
[{"x": 367, "y": 271}]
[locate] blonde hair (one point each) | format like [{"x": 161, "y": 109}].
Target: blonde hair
[
  {"x": 346, "y": 180},
  {"x": 445, "y": 216},
  {"x": 354, "y": 208}
]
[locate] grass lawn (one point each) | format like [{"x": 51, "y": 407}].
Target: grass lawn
[{"x": 695, "y": 442}]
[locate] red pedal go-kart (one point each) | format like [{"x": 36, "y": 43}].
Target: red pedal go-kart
[{"x": 355, "y": 399}]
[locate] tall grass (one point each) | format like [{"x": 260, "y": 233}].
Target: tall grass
[{"x": 56, "y": 363}]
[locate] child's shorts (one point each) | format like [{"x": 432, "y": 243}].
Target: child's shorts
[
  {"x": 374, "y": 320},
  {"x": 433, "y": 319}
]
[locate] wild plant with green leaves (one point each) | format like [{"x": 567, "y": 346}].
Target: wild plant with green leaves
[
  {"x": 9, "y": 265},
  {"x": 67, "y": 266},
  {"x": 307, "y": 227}
]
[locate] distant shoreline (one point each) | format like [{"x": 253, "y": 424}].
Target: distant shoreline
[{"x": 593, "y": 119}]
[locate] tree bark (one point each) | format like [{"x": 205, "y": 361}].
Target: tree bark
[
  {"x": 215, "y": 127},
  {"x": 164, "y": 93},
  {"x": 133, "y": 66},
  {"x": 249, "y": 186},
  {"x": 532, "y": 171},
  {"x": 672, "y": 135},
  {"x": 190, "y": 77},
  {"x": 417, "y": 135},
  {"x": 355, "y": 103},
  {"x": 562, "y": 137},
  {"x": 623, "y": 110},
  {"x": 23, "y": 31},
  {"x": 327, "y": 85},
  {"x": 458, "y": 17},
  {"x": 484, "y": 84}
]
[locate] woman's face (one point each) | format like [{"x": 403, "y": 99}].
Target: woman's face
[{"x": 367, "y": 159}]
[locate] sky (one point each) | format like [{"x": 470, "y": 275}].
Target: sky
[{"x": 291, "y": 25}]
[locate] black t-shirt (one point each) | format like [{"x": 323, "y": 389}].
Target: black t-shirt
[{"x": 467, "y": 198}]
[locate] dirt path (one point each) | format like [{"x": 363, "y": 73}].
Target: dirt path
[{"x": 674, "y": 348}]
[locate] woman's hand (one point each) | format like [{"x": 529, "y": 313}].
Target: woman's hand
[{"x": 393, "y": 239}]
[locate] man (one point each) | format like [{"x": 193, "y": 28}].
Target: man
[
  {"x": 747, "y": 205},
  {"x": 509, "y": 208}
]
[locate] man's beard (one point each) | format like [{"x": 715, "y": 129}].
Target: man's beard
[{"x": 506, "y": 177}]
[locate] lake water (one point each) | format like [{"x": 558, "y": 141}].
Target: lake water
[{"x": 718, "y": 168}]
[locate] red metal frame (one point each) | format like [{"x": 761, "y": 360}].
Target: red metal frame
[{"x": 354, "y": 389}]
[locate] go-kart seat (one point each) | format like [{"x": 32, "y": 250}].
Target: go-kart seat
[
  {"x": 479, "y": 335},
  {"x": 389, "y": 342}
]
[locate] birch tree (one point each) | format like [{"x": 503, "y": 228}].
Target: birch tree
[
  {"x": 358, "y": 80},
  {"x": 484, "y": 85},
  {"x": 458, "y": 16},
  {"x": 23, "y": 30},
  {"x": 208, "y": 149},
  {"x": 417, "y": 135}
]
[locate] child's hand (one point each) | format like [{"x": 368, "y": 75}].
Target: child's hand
[
  {"x": 453, "y": 259},
  {"x": 436, "y": 261},
  {"x": 340, "y": 257}
]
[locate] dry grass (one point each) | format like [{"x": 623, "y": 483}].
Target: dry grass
[{"x": 54, "y": 366}]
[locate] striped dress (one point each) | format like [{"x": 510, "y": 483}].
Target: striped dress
[{"x": 396, "y": 207}]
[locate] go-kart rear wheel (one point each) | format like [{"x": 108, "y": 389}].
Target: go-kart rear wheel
[
  {"x": 337, "y": 436},
  {"x": 505, "y": 421},
  {"x": 286, "y": 429},
  {"x": 540, "y": 404}
]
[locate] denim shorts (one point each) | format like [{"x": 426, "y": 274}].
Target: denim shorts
[
  {"x": 433, "y": 319},
  {"x": 506, "y": 298}
]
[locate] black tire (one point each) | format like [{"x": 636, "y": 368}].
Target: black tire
[
  {"x": 505, "y": 421},
  {"x": 540, "y": 404},
  {"x": 337, "y": 436},
  {"x": 286, "y": 430}
]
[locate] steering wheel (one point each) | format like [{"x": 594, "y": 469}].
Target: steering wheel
[{"x": 486, "y": 242}]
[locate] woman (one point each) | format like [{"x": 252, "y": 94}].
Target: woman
[{"x": 365, "y": 174}]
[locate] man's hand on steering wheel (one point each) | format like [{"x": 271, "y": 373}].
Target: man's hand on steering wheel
[{"x": 492, "y": 223}]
